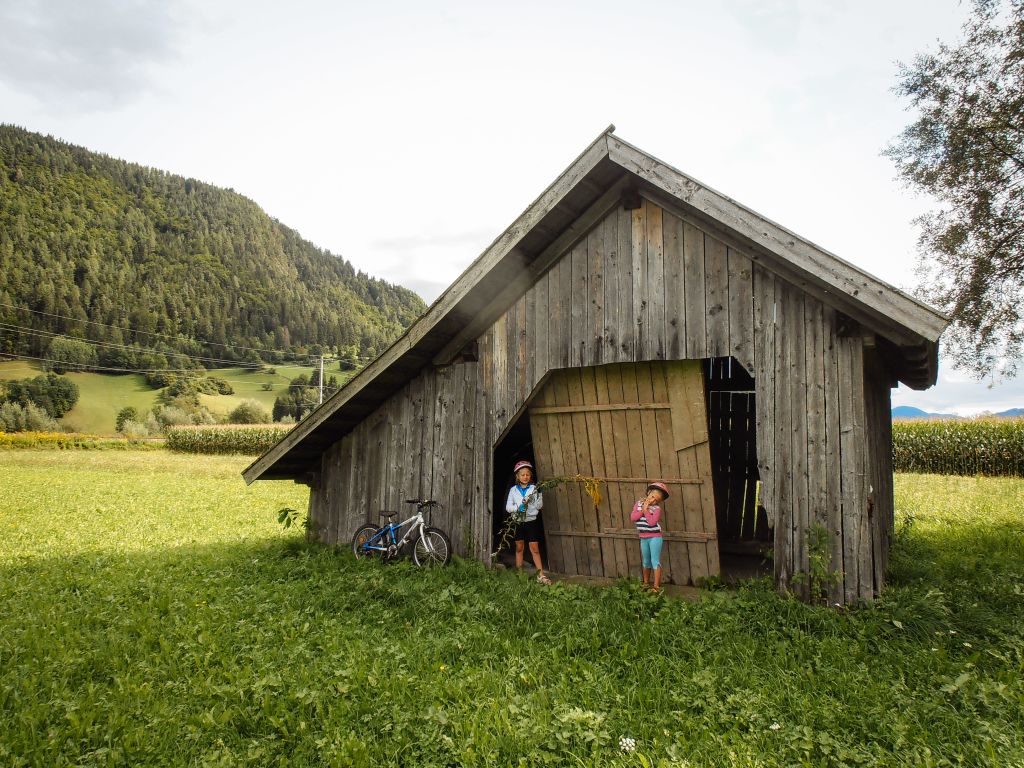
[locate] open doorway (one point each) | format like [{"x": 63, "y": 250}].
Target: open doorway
[
  {"x": 744, "y": 538},
  {"x": 516, "y": 445}
]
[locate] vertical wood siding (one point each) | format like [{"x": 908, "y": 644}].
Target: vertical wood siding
[{"x": 645, "y": 284}]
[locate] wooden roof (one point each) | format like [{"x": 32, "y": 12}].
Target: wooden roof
[{"x": 907, "y": 328}]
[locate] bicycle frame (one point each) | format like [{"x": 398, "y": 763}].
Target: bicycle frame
[{"x": 375, "y": 542}]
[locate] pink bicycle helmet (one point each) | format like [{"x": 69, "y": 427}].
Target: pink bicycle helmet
[
  {"x": 521, "y": 465},
  {"x": 658, "y": 485}
]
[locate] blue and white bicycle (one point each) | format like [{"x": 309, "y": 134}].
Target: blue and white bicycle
[{"x": 430, "y": 546}]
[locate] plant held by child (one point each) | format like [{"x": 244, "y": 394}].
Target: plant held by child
[{"x": 592, "y": 486}]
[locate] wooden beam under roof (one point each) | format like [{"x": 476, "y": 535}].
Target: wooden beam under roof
[
  {"x": 826, "y": 293},
  {"x": 527, "y": 274},
  {"x": 883, "y": 299}
]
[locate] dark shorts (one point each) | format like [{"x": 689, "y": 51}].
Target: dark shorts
[{"x": 532, "y": 530}]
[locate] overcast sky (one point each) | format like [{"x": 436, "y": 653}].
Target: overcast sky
[{"x": 406, "y": 136}]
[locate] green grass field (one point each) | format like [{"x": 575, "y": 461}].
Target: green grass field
[
  {"x": 152, "y": 612},
  {"x": 101, "y": 396}
]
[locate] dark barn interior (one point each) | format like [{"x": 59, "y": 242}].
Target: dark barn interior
[{"x": 744, "y": 536}]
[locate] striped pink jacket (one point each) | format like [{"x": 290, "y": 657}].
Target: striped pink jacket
[{"x": 647, "y": 523}]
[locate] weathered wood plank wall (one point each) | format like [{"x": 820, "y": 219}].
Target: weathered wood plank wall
[{"x": 646, "y": 284}]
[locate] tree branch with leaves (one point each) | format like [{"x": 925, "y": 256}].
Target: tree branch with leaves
[{"x": 966, "y": 149}]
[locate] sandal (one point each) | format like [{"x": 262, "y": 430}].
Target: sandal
[{"x": 542, "y": 579}]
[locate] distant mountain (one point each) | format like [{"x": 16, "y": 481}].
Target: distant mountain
[
  {"x": 1012, "y": 413},
  {"x": 910, "y": 412},
  {"x": 110, "y": 243}
]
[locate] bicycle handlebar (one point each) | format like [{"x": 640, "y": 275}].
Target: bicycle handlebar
[{"x": 423, "y": 502}]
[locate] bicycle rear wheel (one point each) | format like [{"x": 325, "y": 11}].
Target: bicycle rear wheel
[
  {"x": 362, "y": 538},
  {"x": 432, "y": 548}
]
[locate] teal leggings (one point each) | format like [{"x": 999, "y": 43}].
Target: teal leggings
[{"x": 650, "y": 550}]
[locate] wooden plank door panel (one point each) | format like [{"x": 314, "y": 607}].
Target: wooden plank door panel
[{"x": 626, "y": 424}]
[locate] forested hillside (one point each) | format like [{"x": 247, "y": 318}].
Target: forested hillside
[{"x": 91, "y": 238}]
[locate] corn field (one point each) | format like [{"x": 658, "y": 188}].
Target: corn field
[
  {"x": 993, "y": 447},
  {"x": 225, "y": 438}
]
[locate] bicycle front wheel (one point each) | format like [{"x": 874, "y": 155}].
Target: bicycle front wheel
[
  {"x": 433, "y": 547},
  {"x": 362, "y": 538}
]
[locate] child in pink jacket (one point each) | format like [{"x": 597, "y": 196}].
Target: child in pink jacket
[{"x": 647, "y": 517}]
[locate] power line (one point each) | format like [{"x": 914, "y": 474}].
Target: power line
[
  {"x": 136, "y": 348},
  {"x": 113, "y": 345},
  {"x": 147, "y": 333},
  {"x": 90, "y": 366},
  {"x": 87, "y": 368},
  {"x": 283, "y": 386}
]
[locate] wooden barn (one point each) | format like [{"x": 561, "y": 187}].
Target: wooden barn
[{"x": 632, "y": 324}]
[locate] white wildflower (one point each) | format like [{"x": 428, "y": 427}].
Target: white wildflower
[
  {"x": 627, "y": 744},
  {"x": 774, "y": 727}
]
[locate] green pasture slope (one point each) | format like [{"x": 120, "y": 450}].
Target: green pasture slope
[
  {"x": 152, "y": 612},
  {"x": 103, "y": 395}
]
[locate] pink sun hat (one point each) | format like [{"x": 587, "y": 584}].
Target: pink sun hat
[{"x": 660, "y": 486}]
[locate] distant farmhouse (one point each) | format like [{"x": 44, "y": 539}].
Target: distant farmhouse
[{"x": 632, "y": 324}]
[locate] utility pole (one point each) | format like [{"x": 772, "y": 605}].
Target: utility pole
[{"x": 321, "y": 379}]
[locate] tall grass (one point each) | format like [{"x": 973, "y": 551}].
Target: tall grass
[
  {"x": 993, "y": 447},
  {"x": 152, "y": 612}
]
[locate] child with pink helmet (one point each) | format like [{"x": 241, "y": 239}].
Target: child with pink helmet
[
  {"x": 647, "y": 517},
  {"x": 524, "y": 504}
]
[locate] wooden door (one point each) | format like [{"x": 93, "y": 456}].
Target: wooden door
[{"x": 626, "y": 424}]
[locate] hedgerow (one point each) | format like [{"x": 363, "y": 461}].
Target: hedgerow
[{"x": 68, "y": 440}]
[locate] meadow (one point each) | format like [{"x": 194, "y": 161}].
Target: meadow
[
  {"x": 153, "y": 612},
  {"x": 102, "y": 395}
]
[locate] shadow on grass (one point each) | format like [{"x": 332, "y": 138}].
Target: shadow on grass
[{"x": 951, "y": 556}]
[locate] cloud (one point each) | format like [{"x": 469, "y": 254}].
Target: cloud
[
  {"x": 960, "y": 394},
  {"x": 77, "y": 56},
  {"x": 432, "y": 240},
  {"x": 426, "y": 262},
  {"x": 427, "y": 289}
]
